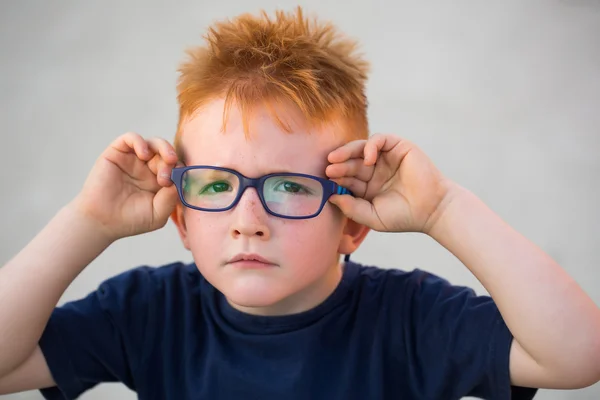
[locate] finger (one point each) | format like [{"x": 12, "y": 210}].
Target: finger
[
  {"x": 164, "y": 174},
  {"x": 161, "y": 169},
  {"x": 354, "y": 167},
  {"x": 358, "y": 210},
  {"x": 376, "y": 144},
  {"x": 367, "y": 149},
  {"x": 164, "y": 160},
  {"x": 353, "y": 149},
  {"x": 164, "y": 203},
  {"x": 164, "y": 148},
  {"x": 132, "y": 142},
  {"x": 356, "y": 186}
]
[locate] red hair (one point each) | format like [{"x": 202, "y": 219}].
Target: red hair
[{"x": 252, "y": 60}]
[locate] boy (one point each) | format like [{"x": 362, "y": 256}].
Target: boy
[{"x": 272, "y": 138}]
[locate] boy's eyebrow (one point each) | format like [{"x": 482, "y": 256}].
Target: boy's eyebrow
[
  {"x": 215, "y": 173},
  {"x": 320, "y": 174}
]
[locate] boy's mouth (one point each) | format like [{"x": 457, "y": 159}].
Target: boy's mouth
[{"x": 250, "y": 260}]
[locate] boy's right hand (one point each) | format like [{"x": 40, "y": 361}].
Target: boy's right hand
[{"x": 129, "y": 190}]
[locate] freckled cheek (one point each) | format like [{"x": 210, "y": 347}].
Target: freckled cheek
[
  {"x": 206, "y": 229},
  {"x": 307, "y": 240}
]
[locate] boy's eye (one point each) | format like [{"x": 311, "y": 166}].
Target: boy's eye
[
  {"x": 292, "y": 187},
  {"x": 216, "y": 187}
]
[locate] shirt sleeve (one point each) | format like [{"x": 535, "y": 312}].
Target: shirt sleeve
[
  {"x": 462, "y": 342},
  {"x": 98, "y": 338}
]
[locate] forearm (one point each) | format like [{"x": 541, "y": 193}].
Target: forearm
[
  {"x": 545, "y": 309},
  {"x": 32, "y": 283}
]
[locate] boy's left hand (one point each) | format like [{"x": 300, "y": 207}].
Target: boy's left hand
[{"x": 396, "y": 187}]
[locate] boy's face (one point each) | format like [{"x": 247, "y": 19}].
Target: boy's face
[{"x": 304, "y": 253}]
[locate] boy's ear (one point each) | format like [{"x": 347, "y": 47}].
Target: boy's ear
[
  {"x": 353, "y": 236},
  {"x": 179, "y": 220}
]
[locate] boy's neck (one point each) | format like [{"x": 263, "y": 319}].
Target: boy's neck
[{"x": 308, "y": 298}]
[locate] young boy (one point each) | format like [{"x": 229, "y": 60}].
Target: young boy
[{"x": 272, "y": 135}]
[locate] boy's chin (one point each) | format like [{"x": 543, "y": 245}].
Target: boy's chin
[
  {"x": 253, "y": 302},
  {"x": 270, "y": 300},
  {"x": 266, "y": 295},
  {"x": 260, "y": 301}
]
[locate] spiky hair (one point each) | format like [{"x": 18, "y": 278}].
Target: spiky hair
[{"x": 255, "y": 60}]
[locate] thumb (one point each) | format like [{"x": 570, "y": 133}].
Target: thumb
[
  {"x": 164, "y": 203},
  {"x": 358, "y": 210}
]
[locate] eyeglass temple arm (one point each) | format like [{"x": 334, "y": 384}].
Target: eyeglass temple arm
[{"x": 341, "y": 190}]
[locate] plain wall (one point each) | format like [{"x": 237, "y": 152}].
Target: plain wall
[{"x": 503, "y": 96}]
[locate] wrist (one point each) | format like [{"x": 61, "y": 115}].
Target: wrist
[
  {"x": 78, "y": 215},
  {"x": 438, "y": 222}
]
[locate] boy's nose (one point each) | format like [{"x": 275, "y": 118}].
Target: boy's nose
[{"x": 250, "y": 217}]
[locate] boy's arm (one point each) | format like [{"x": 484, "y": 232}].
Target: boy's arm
[
  {"x": 32, "y": 283},
  {"x": 32, "y": 374},
  {"x": 556, "y": 326},
  {"x": 128, "y": 192}
]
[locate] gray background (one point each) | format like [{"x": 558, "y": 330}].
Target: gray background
[{"x": 503, "y": 96}]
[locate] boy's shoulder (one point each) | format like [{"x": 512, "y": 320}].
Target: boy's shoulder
[
  {"x": 144, "y": 288},
  {"x": 414, "y": 282},
  {"x": 371, "y": 272},
  {"x": 157, "y": 276},
  {"x": 157, "y": 273}
]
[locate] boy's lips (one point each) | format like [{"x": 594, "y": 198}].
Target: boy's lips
[{"x": 250, "y": 260}]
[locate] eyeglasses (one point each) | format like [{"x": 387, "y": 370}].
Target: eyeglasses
[{"x": 285, "y": 195}]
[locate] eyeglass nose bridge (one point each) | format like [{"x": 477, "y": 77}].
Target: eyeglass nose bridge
[{"x": 245, "y": 183}]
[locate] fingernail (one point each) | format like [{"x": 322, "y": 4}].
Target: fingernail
[{"x": 165, "y": 175}]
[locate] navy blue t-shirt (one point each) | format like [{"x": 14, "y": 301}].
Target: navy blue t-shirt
[{"x": 167, "y": 333}]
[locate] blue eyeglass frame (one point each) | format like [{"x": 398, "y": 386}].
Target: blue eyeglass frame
[{"x": 329, "y": 188}]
